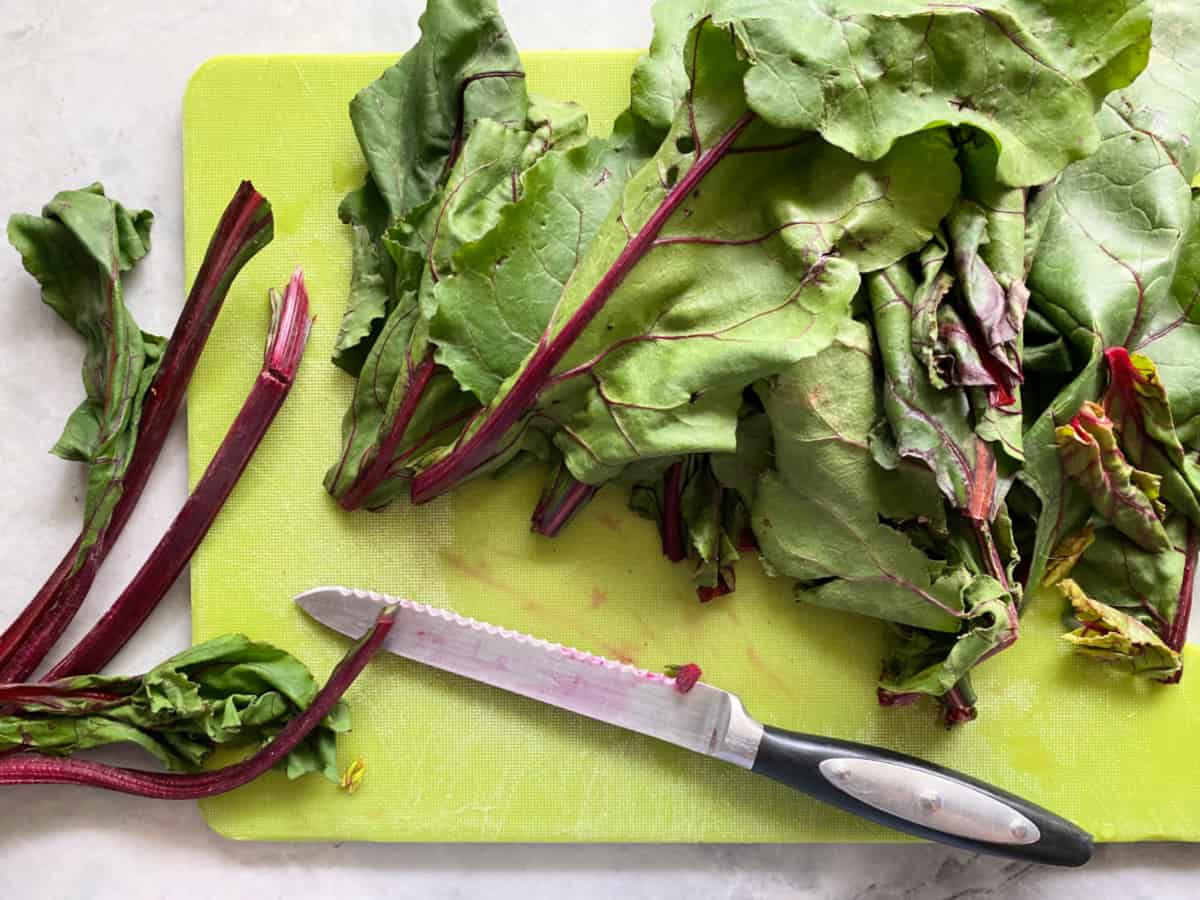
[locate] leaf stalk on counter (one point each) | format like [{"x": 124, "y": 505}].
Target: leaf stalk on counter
[
  {"x": 286, "y": 339},
  {"x": 78, "y": 250}
]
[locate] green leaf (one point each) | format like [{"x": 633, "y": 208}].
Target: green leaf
[
  {"x": 420, "y": 251},
  {"x": 932, "y": 426},
  {"x": 77, "y": 250},
  {"x": 229, "y": 690},
  {"x": 1136, "y": 401},
  {"x": 1111, "y": 636},
  {"x": 660, "y": 80},
  {"x": 367, "y": 304},
  {"x": 1125, "y": 496},
  {"x": 412, "y": 119},
  {"x": 930, "y": 663},
  {"x": 808, "y": 217},
  {"x": 864, "y": 73},
  {"x": 830, "y": 516},
  {"x": 755, "y": 453},
  {"x": 1141, "y": 583},
  {"x": 1118, "y": 258},
  {"x": 491, "y": 314}
]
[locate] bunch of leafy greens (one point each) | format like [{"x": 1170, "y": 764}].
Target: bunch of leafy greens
[
  {"x": 229, "y": 690},
  {"x": 827, "y": 291}
]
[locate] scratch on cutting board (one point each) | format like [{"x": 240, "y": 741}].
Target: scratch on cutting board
[
  {"x": 316, "y": 106},
  {"x": 776, "y": 681}
]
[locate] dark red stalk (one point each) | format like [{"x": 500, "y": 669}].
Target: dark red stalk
[
  {"x": 747, "y": 542},
  {"x": 246, "y": 227},
  {"x": 957, "y": 707},
  {"x": 672, "y": 526},
  {"x": 288, "y": 335},
  {"x": 723, "y": 586},
  {"x": 52, "y": 694},
  {"x": 1177, "y": 636},
  {"x": 370, "y": 477},
  {"x": 560, "y": 501},
  {"x": 1122, "y": 375},
  {"x": 480, "y": 445},
  {"x": 891, "y": 698},
  {"x": 32, "y": 769}
]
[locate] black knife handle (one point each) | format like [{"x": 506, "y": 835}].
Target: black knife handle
[{"x": 913, "y": 796}]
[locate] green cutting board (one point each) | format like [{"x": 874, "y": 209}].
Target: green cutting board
[{"x": 449, "y": 760}]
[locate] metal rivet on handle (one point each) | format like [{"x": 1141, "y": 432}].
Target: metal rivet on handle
[
  {"x": 930, "y": 801},
  {"x": 840, "y": 771}
]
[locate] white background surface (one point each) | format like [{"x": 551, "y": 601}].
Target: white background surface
[{"x": 92, "y": 91}]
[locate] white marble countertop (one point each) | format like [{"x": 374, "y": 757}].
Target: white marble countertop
[{"x": 92, "y": 91}]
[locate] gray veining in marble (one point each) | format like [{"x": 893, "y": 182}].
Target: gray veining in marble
[{"x": 92, "y": 90}]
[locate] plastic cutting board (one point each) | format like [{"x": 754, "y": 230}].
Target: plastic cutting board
[{"x": 448, "y": 760}]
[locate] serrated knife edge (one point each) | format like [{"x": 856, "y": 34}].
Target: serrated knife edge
[{"x": 706, "y": 719}]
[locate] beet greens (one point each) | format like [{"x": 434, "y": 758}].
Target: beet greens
[{"x": 918, "y": 333}]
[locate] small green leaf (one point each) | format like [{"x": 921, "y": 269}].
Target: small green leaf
[
  {"x": 1111, "y": 636},
  {"x": 229, "y": 690},
  {"x": 1125, "y": 496},
  {"x": 77, "y": 250}
]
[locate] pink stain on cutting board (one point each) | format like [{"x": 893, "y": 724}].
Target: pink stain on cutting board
[
  {"x": 609, "y": 522},
  {"x": 620, "y": 652},
  {"x": 479, "y": 572},
  {"x": 776, "y": 681}
]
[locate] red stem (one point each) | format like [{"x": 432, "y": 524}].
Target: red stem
[
  {"x": 672, "y": 514},
  {"x": 957, "y": 708},
  {"x": 49, "y": 694},
  {"x": 557, "y": 507},
  {"x": 1177, "y": 636},
  {"x": 246, "y": 227},
  {"x": 31, "y": 769},
  {"x": 478, "y": 447},
  {"x": 376, "y": 473},
  {"x": 288, "y": 336},
  {"x": 991, "y": 556}
]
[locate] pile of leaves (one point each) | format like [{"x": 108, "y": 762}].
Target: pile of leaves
[{"x": 898, "y": 295}]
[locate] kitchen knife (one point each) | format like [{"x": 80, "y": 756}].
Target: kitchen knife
[{"x": 901, "y": 792}]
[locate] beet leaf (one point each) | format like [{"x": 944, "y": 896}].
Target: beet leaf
[
  {"x": 27, "y": 768},
  {"x": 227, "y": 690}
]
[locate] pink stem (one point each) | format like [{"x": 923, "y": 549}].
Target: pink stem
[
  {"x": 554, "y": 511},
  {"x": 288, "y": 336},
  {"x": 957, "y": 709},
  {"x": 1177, "y": 636},
  {"x": 672, "y": 514},
  {"x": 50, "y": 694},
  {"x": 32, "y": 769},
  {"x": 377, "y": 472}
]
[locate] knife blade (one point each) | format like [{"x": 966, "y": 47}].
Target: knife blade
[{"x": 892, "y": 789}]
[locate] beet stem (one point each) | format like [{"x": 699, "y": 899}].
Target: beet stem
[{"x": 290, "y": 322}]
